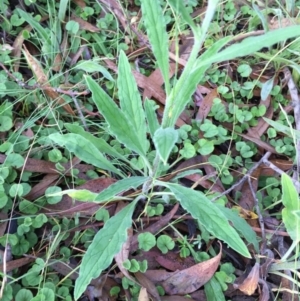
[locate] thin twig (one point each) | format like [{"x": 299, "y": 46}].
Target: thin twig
[
  {"x": 281, "y": 172},
  {"x": 244, "y": 178}
]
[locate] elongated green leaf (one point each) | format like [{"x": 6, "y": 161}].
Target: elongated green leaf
[
  {"x": 291, "y": 212},
  {"x": 93, "y": 66},
  {"x": 283, "y": 128},
  {"x": 240, "y": 225},
  {"x": 123, "y": 185},
  {"x": 253, "y": 44},
  {"x": 62, "y": 10},
  {"x": 119, "y": 125},
  {"x": 187, "y": 83},
  {"x": 267, "y": 88},
  {"x": 84, "y": 150},
  {"x": 213, "y": 290},
  {"x": 150, "y": 108},
  {"x": 164, "y": 141},
  {"x": 34, "y": 24},
  {"x": 106, "y": 244},
  {"x": 130, "y": 100},
  {"x": 209, "y": 215},
  {"x": 209, "y": 14},
  {"x": 157, "y": 34},
  {"x": 100, "y": 143},
  {"x": 82, "y": 195}
]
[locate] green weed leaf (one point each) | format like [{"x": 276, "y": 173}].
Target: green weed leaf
[
  {"x": 290, "y": 214},
  {"x": 99, "y": 143},
  {"x": 63, "y": 5},
  {"x": 209, "y": 215},
  {"x": 150, "y": 108},
  {"x": 106, "y": 244},
  {"x": 252, "y": 44},
  {"x": 84, "y": 150},
  {"x": 130, "y": 100},
  {"x": 164, "y": 140},
  {"x": 213, "y": 290},
  {"x": 240, "y": 225},
  {"x": 93, "y": 66},
  {"x": 283, "y": 128},
  {"x": 156, "y": 30},
  {"x": 113, "y": 190},
  {"x": 186, "y": 85},
  {"x": 119, "y": 125}
]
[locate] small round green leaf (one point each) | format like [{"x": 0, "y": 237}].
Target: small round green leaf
[
  {"x": 165, "y": 243},
  {"x": 50, "y": 195},
  {"x": 24, "y": 295},
  {"x": 146, "y": 241},
  {"x": 5, "y": 123}
]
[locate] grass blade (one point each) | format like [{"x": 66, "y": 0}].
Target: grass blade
[{"x": 253, "y": 44}]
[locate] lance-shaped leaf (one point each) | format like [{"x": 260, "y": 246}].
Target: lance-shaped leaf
[
  {"x": 105, "y": 245},
  {"x": 84, "y": 150},
  {"x": 100, "y": 143},
  {"x": 130, "y": 100},
  {"x": 208, "y": 215},
  {"x": 119, "y": 125},
  {"x": 252, "y": 44},
  {"x": 157, "y": 34},
  {"x": 291, "y": 212},
  {"x": 164, "y": 141},
  {"x": 150, "y": 108},
  {"x": 113, "y": 190},
  {"x": 187, "y": 83}
]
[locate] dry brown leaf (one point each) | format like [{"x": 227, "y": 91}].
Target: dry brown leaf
[
  {"x": 246, "y": 214},
  {"x": 42, "y": 79},
  {"x": 157, "y": 276},
  {"x": 57, "y": 62},
  {"x": 143, "y": 295},
  {"x": 282, "y": 23},
  {"x": 85, "y": 25},
  {"x": 148, "y": 284},
  {"x": 206, "y": 104},
  {"x": 17, "y": 263},
  {"x": 41, "y": 166},
  {"x": 191, "y": 279},
  {"x": 80, "y": 3},
  {"x": 249, "y": 285},
  {"x": 123, "y": 255},
  {"x": 18, "y": 42},
  {"x": 173, "y": 262}
]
